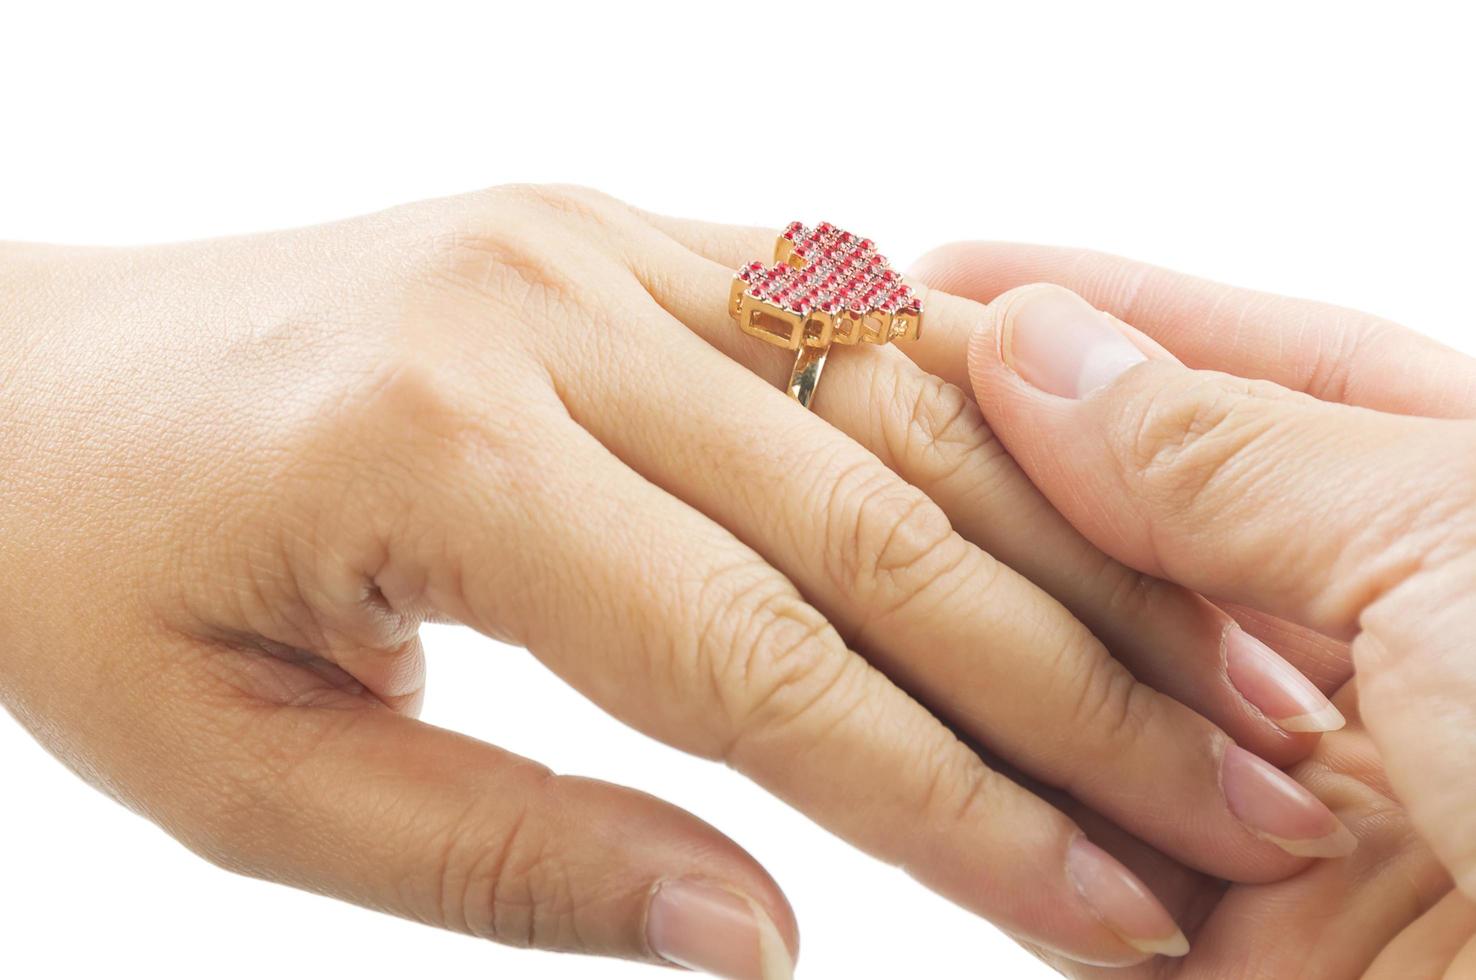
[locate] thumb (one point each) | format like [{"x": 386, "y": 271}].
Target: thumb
[
  {"x": 1356, "y": 523},
  {"x": 1238, "y": 489},
  {"x": 385, "y": 811}
]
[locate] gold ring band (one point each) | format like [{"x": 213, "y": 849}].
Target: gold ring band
[{"x": 808, "y": 364}]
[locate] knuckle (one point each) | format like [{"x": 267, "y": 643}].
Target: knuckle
[
  {"x": 515, "y": 890},
  {"x": 1187, "y": 435},
  {"x": 959, "y": 786},
  {"x": 891, "y": 541},
  {"x": 1111, "y": 704},
  {"x": 935, "y": 430},
  {"x": 490, "y": 260},
  {"x": 1345, "y": 344},
  {"x": 778, "y": 660},
  {"x": 569, "y": 201},
  {"x": 1126, "y": 594},
  {"x": 418, "y": 409}
]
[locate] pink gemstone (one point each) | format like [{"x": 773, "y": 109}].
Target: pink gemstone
[
  {"x": 847, "y": 238},
  {"x": 867, "y": 244},
  {"x": 823, "y": 227}
]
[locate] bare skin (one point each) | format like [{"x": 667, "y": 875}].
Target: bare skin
[
  {"x": 237, "y": 476},
  {"x": 1331, "y": 501}
]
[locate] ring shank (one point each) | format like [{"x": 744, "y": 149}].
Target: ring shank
[{"x": 808, "y": 364}]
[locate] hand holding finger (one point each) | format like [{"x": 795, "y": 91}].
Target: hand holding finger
[{"x": 1356, "y": 523}]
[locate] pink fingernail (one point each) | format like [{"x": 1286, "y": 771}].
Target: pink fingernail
[
  {"x": 1121, "y": 902},
  {"x": 1278, "y": 809},
  {"x": 706, "y": 927},
  {"x": 1276, "y": 688},
  {"x": 1061, "y": 344}
]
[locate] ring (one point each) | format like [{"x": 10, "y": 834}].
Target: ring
[{"x": 825, "y": 286}]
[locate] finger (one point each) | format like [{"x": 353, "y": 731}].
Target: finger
[
  {"x": 934, "y": 438},
  {"x": 1429, "y": 946},
  {"x": 1328, "y": 515},
  {"x": 1332, "y": 353},
  {"x": 1334, "y": 918},
  {"x": 375, "y": 808},
  {"x": 948, "y": 622},
  {"x": 730, "y": 246},
  {"x": 1309, "y": 509},
  {"x": 1325, "y": 662},
  {"x": 662, "y": 617}
]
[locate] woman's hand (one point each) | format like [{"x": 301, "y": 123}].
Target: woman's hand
[
  {"x": 1338, "y": 492},
  {"x": 239, "y": 474}
]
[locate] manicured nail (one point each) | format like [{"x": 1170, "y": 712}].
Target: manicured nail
[
  {"x": 1278, "y": 809},
  {"x": 1275, "y": 688},
  {"x": 706, "y": 927},
  {"x": 1061, "y": 344},
  {"x": 1121, "y": 902}
]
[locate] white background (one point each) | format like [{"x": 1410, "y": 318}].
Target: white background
[{"x": 1317, "y": 149}]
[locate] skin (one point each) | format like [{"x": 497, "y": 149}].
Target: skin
[
  {"x": 239, "y": 474},
  {"x": 1326, "y": 459}
]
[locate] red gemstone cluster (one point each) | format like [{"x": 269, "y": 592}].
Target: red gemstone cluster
[{"x": 828, "y": 270}]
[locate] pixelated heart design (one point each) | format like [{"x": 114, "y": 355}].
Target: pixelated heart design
[{"x": 825, "y": 286}]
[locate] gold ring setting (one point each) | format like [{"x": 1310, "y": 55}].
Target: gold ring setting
[{"x": 825, "y": 286}]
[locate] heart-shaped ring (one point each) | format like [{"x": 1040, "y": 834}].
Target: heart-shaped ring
[{"x": 825, "y": 286}]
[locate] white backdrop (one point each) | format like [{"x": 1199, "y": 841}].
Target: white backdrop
[{"x": 1316, "y": 149}]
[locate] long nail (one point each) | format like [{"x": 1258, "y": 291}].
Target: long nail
[
  {"x": 1121, "y": 902},
  {"x": 706, "y": 927},
  {"x": 1275, "y": 688},
  {"x": 1061, "y": 344},
  {"x": 1278, "y": 809}
]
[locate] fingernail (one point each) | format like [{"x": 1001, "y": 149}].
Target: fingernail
[
  {"x": 1121, "y": 902},
  {"x": 1276, "y": 688},
  {"x": 1061, "y": 344},
  {"x": 1278, "y": 809},
  {"x": 706, "y": 927}
]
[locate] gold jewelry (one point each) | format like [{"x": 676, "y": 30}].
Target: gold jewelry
[{"x": 826, "y": 286}]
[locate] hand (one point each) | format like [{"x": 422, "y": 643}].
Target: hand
[
  {"x": 239, "y": 474},
  {"x": 1337, "y": 491}
]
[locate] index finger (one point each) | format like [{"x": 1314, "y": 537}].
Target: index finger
[{"x": 1327, "y": 351}]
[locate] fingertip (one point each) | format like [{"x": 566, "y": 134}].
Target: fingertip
[
  {"x": 712, "y": 927},
  {"x": 1122, "y": 902},
  {"x": 991, "y": 344}
]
